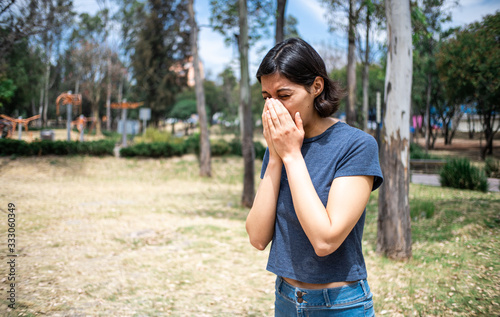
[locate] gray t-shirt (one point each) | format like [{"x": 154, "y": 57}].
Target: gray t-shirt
[{"x": 339, "y": 151}]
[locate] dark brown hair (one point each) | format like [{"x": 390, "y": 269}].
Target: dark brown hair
[{"x": 301, "y": 64}]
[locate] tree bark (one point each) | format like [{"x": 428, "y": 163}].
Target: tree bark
[
  {"x": 428, "y": 113},
  {"x": 245, "y": 111},
  {"x": 394, "y": 227},
  {"x": 280, "y": 21},
  {"x": 108, "y": 94},
  {"x": 205, "y": 168},
  {"x": 366, "y": 73},
  {"x": 351, "y": 67},
  {"x": 46, "y": 90}
]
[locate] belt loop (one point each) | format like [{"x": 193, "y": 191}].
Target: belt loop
[
  {"x": 278, "y": 284},
  {"x": 363, "y": 286},
  {"x": 327, "y": 298}
]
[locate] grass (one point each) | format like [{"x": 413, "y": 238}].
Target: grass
[{"x": 145, "y": 237}]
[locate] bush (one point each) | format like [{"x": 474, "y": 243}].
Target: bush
[
  {"x": 459, "y": 173},
  {"x": 492, "y": 168},
  {"x": 418, "y": 153},
  {"x": 220, "y": 148},
  {"x": 154, "y": 135},
  {"x": 46, "y": 147},
  {"x": 154, "y": 149},
  {"x": 14, "y": 147}
]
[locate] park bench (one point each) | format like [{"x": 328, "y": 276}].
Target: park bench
[{"x": 427, "y": 166}]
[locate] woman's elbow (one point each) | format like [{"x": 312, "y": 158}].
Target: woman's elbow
[
  {"x": 323, "y": 249},
  {"x": 259, "y": 245}
]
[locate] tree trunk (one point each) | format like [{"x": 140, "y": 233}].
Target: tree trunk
[
  {"x": 108, "y": 95},
  {"x": 280, "y": 21},
  {"x": 428, "y": 114},
  {"x": 394, "y": 228},
  {"x": 46, "y": 91},
  {"x": 205, "y": 168},
  {"x": 246, "y": 124},
  {"x": 351, "y": 68},
  {"x": 366, "y": 72}
]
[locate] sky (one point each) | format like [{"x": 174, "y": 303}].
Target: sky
[{"x": 312, "y": 27}]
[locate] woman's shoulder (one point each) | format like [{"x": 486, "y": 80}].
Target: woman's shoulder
[{"x": 351, "y": 134}]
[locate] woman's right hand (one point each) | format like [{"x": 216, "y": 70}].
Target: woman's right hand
[{"x": 267, "y": 133}]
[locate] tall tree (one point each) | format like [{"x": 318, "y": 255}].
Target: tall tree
[
  {"x": 160, "y": 53},
  {"x": 280, "y": 20},
  {"x": 223, "y": 20},
  {"x": 90, "y": 58},
  {"x": 58, "y": 15},
  {"x": 469, "y": 68},
  {"x": 427, "y": 19},
  {"x": 205, "y": 168},
  {"x": 394, "y": 228},
  {"x": 353, "y": 11},
  {"x": 247, "y": 148}
]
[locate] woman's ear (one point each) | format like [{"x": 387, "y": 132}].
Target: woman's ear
[{"x": 318, "y": 85}]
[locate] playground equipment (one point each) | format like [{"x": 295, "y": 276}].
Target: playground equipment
[
  {"x": 69, "y": 100},
  {"x": 21, "y": 122},
  {"x": 124, "y": 106}
]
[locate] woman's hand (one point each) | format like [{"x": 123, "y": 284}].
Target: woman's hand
[
  {"x": 267, "y": 133},
  {"x": 286, "y": 134}
]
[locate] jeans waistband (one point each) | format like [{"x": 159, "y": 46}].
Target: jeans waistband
[{"x": 351, "y": 293}]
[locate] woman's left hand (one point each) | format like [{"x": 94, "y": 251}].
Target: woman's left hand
[{"x": 287, "y": 134}]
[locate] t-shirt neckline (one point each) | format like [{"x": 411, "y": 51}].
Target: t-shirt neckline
[{"x": 319, "y": 136}]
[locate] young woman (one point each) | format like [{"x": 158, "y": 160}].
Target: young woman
[{"x": 317, "y": 176}]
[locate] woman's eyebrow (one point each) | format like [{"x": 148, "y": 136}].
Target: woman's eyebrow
[{"x": 279, "y": 90}]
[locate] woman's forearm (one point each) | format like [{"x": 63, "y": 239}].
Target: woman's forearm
[
  {"x": 311, "y": 212},
  {"x": 326, "y": 228},
  {"x": 261, "y": 218}
]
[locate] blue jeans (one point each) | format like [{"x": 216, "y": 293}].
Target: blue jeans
[{"x": 350, "y": 300}]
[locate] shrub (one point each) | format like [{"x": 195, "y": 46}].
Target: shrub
[
  {"x": 260, "y": 150},
  {"x": 418, "y": 153},
  {"x": 492, "y": 168},
  {"x": 220, "y": 147},
  {"x": 154, "y": 149},
  {"x": 46, "y": 147},
  {"x": 14, "y": 147},
  {"x": 154, "y": 135},
  {"x": 459, "y": 173}
]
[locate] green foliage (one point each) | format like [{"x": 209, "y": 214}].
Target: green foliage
[
  {"x": 161, "y": 46},
  {"x": 417, "y": 152},
  {"x": 154, "y": 135},
  {"x": 45, "y": 147},
  {"x": 225, "y": 18},
  {"x": 492, "y": 167},
  {"x": 179, "y": 146},
  {"x": 183, "y": 109},
  {"x": 154, "y": 149},
  {"x": 376, "y": 78},
  {"x": 469, "y": 68},
  {"x": 459, "y": 173},
  {"x": 7, "y": 89}
]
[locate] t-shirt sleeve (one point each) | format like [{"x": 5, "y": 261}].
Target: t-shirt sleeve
[
  {"x": 361, "y": 158},
  {"x": 265, "y": 161}
]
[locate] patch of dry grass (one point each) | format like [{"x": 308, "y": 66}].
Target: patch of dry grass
[{"x": 144, "y": 237}]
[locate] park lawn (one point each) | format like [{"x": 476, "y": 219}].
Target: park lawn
[{"x": 146, "y": 237}]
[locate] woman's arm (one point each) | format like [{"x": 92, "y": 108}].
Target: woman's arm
[
  {"x": 326, "y": 228},
  {"x": 262, "y": 215}
]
